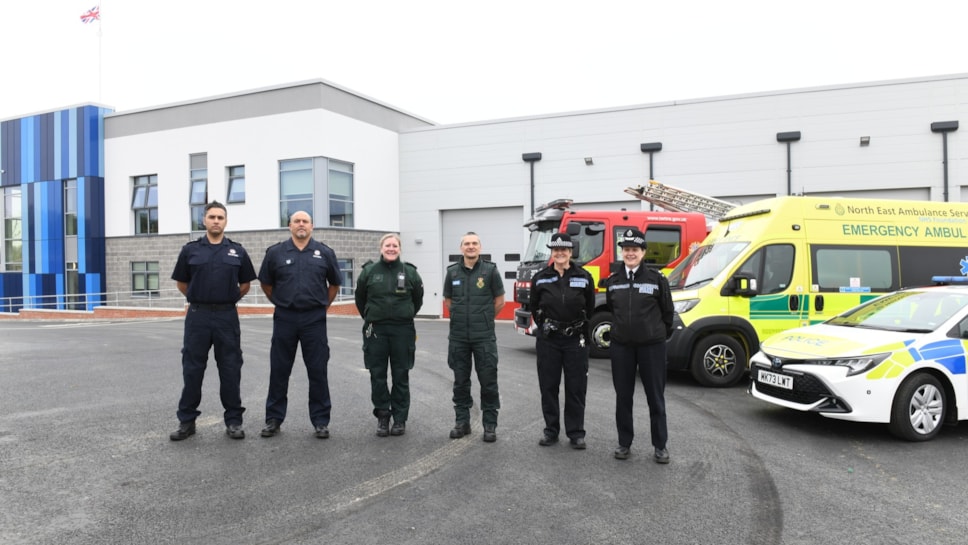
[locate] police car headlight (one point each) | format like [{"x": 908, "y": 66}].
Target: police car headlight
[
  {"x": 856, "y": 365},
  {"x": 685, "y": 305}
]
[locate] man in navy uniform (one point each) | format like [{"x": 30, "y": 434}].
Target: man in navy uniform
[
  {"x": 301, "y": 277},
  {"x": 213, "y": 273}
]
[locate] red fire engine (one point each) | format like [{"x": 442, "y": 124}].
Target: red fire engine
[{"x": 669, "y": 236}]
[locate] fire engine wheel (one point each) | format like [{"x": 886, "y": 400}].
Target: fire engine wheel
[
  {"x": 718, "y": 361},
  {"x": 601, "y": 327},
  {"x": 919, "y": 408}
]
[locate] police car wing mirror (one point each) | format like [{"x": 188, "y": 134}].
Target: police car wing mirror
[{"x": 741, "y": 284}]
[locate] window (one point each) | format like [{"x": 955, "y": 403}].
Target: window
[
  {"x": 301, "y": 180},
  {"x": 295, "y": 188},
  {"x": 198, "y": 197},
  {"x": 346, "y": 272},
  {"x": 662, "y": 245},
  {"x": 145, "y": 280},
  {"x": 236, "y": 192},
  {"x": 854, "y": 268},
  {"x": 73, "y": 299},
  {"x": 772, "y": 266},
  {"x": 12, "y": 258},
  {"x": 144, "y": 203},
  {"x": 70, "y": 208},
  {"x": 340, "y": 194},
  {"x": 590, "y": 239}
]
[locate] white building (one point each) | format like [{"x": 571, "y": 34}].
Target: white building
[{"x": 366, "y": 168}]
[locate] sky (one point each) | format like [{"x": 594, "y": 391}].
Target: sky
[{"x": 450, "y": 61}]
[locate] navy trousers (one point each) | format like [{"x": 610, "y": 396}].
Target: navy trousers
[
  {"x": 306, "y": 329},
  {"x": 203, "y": 330}
]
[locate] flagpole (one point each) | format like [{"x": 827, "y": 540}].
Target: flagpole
[{"x": 100, "y": 61}]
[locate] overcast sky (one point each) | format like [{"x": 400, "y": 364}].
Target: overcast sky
[{"x": 451, "y": 61}]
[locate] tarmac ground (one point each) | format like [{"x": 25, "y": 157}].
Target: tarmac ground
[{"x": 86, "y": 407}]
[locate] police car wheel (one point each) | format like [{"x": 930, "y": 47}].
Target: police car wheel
[
  {"x": 601, "y": 329},
  {"x": 718, "y": 361},
  {"x": 919, "y": 408}
]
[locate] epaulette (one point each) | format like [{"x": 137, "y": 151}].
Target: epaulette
[
  {"x": 411, "y": 265},
  {"x": 367, "y": 264}
]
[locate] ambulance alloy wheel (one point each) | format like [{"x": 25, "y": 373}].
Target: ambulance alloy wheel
[
  {"x": 919, "y": 408},
  {"x": 601, "y": 327},
  {"x": 718, "y": 361}
]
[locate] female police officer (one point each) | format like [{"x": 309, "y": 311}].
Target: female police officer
[
  {"x": 389, "y": 294},
  {"x": 564, "y": 297},
  {"x": 642, "y": 315}
]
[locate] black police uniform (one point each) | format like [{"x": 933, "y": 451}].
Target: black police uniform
[
  {"x": 213, "y": 273},
  {"x": 642, "y": 313},
  {"x": 300, "y": 281},
  {"x": 388, "y": 295},
  {"x": 564, "y": 303}
]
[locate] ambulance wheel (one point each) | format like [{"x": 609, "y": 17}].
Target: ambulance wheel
[
  {"x": 919, "y": 408},
  {"x": 601, "y": 330},
  {"x": 718, "y": 361}
]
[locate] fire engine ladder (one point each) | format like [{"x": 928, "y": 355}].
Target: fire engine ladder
[{"x": 680, "y": 200}]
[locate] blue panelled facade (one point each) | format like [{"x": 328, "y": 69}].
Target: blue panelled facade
[{"x": 56, "y": 161}]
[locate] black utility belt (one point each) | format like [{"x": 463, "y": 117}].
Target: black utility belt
[
  {"x": 211, "y": 306},
  {"x": 554, "y": 328}
]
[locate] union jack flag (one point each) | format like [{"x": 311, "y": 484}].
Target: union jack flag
[{"x": 91, "y": 15}]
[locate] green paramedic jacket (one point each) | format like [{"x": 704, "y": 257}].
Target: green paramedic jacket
[
  {"x": 472, "y": 293},
  {"x": 389, "y": 292}
]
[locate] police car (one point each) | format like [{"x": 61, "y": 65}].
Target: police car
[{"x": 898, "y": 359}]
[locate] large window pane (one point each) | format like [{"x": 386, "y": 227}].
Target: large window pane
[
  {"x": 297, "y": 184},
  {"x": 289, "y": 208},
  {"x": 295, "y": 188},
  {"x": 340, "y": 184}
]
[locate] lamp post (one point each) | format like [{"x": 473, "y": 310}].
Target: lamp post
[
  {"x": 650, "y": 148},
  {"x": 788, "y": 138},
  {"x": 531, "y": 158},
  {"x": 944, "y": 127}
]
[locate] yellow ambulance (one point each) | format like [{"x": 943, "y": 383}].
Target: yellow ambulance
[{"x": 788, "y": 262}]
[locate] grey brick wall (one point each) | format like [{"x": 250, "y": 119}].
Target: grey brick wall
[{"x": 358, "y": 245}]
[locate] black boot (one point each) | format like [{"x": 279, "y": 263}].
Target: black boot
[{"x": 383, "y": 424}]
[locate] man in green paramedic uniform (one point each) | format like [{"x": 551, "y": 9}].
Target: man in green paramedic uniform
[{"x": 473, "y": 294}]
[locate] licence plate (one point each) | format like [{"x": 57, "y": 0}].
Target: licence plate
[{"x": 775, "y": 379}]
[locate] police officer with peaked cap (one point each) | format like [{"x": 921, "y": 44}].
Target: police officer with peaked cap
[
  {"x": 563, "y": 294},
  {"x": 642, "y": 314},
  {"x": 213, "y": 273}
]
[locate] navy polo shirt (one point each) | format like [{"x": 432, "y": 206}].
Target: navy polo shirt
[
  {"x": 300, "y": 279},
  {"x": 213, "y": 272}
]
